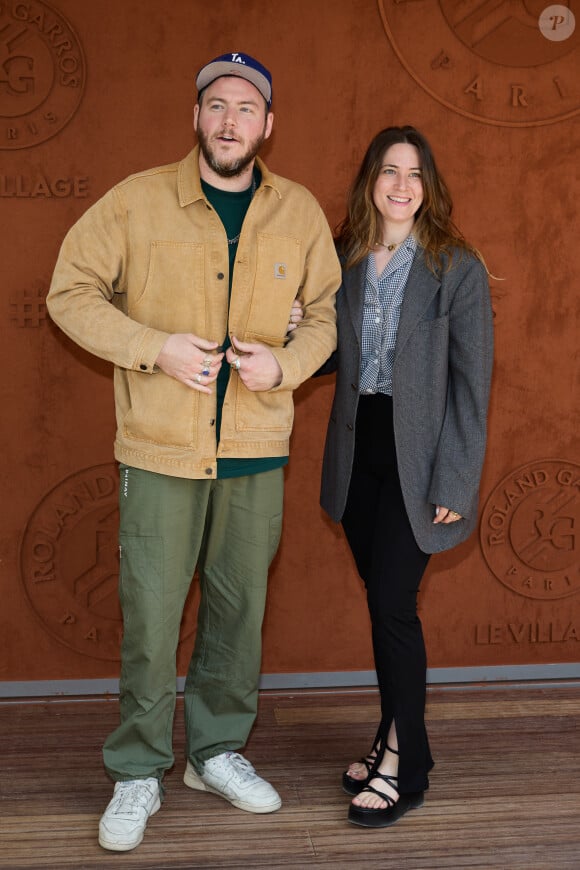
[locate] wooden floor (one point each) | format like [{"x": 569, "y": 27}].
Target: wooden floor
[{"x": 505, "y": 792}]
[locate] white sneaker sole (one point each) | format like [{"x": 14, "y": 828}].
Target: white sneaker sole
[
  {"x": 117, "y": 845},
  {"x": 193, "y": 780}
]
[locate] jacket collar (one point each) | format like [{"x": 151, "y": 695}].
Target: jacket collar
[{"x": 189, "y": 181}]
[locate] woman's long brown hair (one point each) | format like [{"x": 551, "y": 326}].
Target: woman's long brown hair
[{"x": 434, "y": 230}]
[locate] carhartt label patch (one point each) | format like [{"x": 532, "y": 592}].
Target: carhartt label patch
[{"x": 279, "y": 270}]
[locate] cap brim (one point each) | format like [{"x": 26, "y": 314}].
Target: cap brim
[{"x": 215, "y": 70}]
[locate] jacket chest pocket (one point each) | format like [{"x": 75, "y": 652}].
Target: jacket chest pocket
[
  {"x": 279, "y": 270},
  {"x": 437, "y": 309},
  {"x": 173, "y": 297}
]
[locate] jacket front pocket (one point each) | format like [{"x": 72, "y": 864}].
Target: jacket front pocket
[
  {"x": 173, "y": 298},
  {"x": 279, "y": 271},
  {"x": 161, "y": 410},
  {"x": 265, "y": 412}
]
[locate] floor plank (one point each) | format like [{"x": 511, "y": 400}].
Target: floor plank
[{"x": 505, "y": 791}]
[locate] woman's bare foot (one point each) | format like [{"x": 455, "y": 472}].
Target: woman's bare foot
[
  {"x": 358, "y": 770},
  {"x": 389, "y": 766}
]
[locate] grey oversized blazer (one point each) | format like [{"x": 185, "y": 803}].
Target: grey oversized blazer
[{"x": 441, "y": 380}]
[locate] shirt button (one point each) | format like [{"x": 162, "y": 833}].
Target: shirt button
[
  {"x": 220, "y": 276},
  {"x": 143, "y": 367},
  {"x": 209, "y": 470},
  {"x": 212, "y": 422},
  {"x": 377, "y": 319}
]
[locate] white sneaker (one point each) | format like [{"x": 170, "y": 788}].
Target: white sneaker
[
  {"x": 232, "y": 777},
  {"x": 123, "y": 823}
]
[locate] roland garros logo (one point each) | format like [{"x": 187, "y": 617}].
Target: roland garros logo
[
  {"x": 530, "y": 530},
  {"x": 42, "y": 73},
  {"x": 509, "y": 63},
  {"x": 70, "y": 566}
]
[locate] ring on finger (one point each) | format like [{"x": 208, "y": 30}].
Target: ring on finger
[
  {"x": 197, "y": 379},
  {"x": 235, "y": 364},
  {"x": 207, "y": 361},
  {"x": 455, "y": 515},
  {"x": 205, "y": 371}
]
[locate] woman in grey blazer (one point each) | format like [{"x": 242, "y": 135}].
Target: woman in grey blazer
[{"x": 407, "y": 431}]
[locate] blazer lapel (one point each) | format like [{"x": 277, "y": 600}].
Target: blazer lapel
[
  {"x": 422, "y": 285},
  {"x": 354, "y": 287}
]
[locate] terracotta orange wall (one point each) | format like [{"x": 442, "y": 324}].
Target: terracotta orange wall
[{"x": 501, "y": 105}]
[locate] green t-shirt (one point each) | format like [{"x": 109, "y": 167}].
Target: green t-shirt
[{"x": 231, "y": 208}]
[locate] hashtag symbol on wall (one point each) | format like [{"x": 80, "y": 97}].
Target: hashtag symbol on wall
[{"x": 28, "y": 310}]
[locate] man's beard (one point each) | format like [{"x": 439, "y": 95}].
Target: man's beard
[{"x": 228, "y": 167}]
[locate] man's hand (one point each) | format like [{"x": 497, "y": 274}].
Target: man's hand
[
  {"x": 255, "y": 364},
  {"x": 191, "y": 360}
]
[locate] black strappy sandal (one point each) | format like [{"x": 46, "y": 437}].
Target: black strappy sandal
[
  {"x": 370, "y": 817},
  {"x": 354, "y": 786}
]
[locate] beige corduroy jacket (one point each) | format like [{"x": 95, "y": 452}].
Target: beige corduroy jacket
[{"x": 151, "y": 258}]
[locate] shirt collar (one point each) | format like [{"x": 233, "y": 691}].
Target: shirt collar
[
  {"x": 410, "y": 244},
  {"x": 189, "y": 181},
  {"x": 404, "y": 253}
]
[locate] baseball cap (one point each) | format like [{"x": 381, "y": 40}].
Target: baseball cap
[{"x": 237, "y": 64}]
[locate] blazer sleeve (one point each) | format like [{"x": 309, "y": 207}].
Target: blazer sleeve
[{"x": 461, "y": 447}]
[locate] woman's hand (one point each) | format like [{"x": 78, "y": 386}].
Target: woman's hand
[
  {"x": 445, "y": 515},
  {"x": 296, "y": 315}
]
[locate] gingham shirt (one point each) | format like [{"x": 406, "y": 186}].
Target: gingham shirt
[{"x": 382, "y": 308}]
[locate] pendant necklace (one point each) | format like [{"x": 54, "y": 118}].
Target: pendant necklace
[{"x": 236, "y": 239}]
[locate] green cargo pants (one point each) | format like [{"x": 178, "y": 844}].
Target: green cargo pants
[{"x": 230, "y": 529}]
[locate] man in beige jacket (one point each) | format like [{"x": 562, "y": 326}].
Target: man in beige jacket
[{"x": 184, "y": 278}]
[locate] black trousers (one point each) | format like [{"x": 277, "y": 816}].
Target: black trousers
[{"x": 391, "y": 565}]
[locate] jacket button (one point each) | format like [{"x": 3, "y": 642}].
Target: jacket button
[
  {"x": 350, "y": 427},
  {"x": 212, "y": 422},
  {"x": 221, "y": 276},
  {"x": 208, "y": 470},
  {"x": 143, "y": 367}
]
